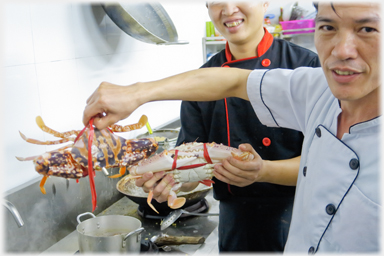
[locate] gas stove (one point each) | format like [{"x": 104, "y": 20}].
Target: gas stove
[
  {"x": 185, "y": 226},
  {"x": 147, "y": 247}
]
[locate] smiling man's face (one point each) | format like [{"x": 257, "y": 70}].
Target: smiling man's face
[
  {"x": 347, "y": 40},
  {"x": 238, "y": 22}
]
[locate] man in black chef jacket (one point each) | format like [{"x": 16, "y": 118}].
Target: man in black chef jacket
[{"x": 254, "y": 215}]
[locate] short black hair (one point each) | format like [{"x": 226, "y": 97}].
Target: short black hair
[{"x": 316, "y": 5}]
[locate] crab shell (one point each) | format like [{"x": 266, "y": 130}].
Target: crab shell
[
  {"x": 108, "y": 151},
  {"x": 188, "y": 154},
  {"x": 59, "y": 163}
]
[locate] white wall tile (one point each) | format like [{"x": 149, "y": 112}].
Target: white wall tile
[
  {"x": 53, "y": 31},
  {"x": 20, "y": 107},
  {"x": 59, "y": 98},
  {"x": 18, "y": 43},
  {"x": 71, "y": 48},
  {"x": 90, "y": 31}
]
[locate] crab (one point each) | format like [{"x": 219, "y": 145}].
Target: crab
[
  {"x": 92, "y": 149},
  {"x": 189, "y": 162}
]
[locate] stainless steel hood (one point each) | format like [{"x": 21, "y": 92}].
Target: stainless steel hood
[{"x": 147, "y": 22}]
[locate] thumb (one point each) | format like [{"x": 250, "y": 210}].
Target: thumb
[{"x": 246, "y": 147}]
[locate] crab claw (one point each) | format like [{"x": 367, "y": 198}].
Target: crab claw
[
  {"x": 149, "y": 199},
  {"x": 174, "y": 202}
]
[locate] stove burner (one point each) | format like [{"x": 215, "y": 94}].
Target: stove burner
[
  {"x": 148, "y": 247},
  {"x": 199, "y": 207}
]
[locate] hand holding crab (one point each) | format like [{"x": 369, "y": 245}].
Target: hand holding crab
[
  {"x": 241, "y": 173},
  {"x": 190, "y": 162}
]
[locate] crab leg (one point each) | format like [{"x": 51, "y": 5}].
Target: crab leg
[
  {"x": 42, "y": 182},
  {"x": 38, "y": 142},
  {"x": 118, "y": 128},
  {"x": 149, "y": 200},
  {"x": 46, "y": 129},
  {"x": 121, "y": 172},
  {"x": 30, "y": 158}
]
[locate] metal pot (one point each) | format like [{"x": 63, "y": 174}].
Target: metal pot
[{"x": 109, "y": 234}]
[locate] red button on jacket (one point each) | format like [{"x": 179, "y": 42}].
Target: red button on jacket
[
  {"x": 266, "y": 141},
  {"x": 266, "y": 62}
]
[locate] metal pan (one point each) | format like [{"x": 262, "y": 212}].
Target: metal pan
[{"x": 147, "y": 22}]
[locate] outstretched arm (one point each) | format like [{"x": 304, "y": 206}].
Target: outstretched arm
[{"x": 111, "y": 103}]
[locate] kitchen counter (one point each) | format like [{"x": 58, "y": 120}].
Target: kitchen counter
[{"x": 187, "y": 226}]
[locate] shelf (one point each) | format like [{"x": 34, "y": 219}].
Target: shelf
[
  {"x": 212, "y": 44},
  {"x": 282, "y": 35},
  {"x": 215, "y": 42}
]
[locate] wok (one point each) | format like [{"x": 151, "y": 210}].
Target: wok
[
  {"x": 147, "y": 22},
  {"x": 137, "y": 195}
]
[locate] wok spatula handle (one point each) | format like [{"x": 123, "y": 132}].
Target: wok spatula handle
[{"x": 177, "y": 240}]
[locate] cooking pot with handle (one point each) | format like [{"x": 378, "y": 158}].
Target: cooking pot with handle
[{"x": 109, "y": 234}]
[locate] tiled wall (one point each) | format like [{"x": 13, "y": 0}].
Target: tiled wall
[{"x": 56, "y": 54}]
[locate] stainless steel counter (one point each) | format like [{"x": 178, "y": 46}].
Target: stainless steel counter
[{"x": 188, "y": 226}]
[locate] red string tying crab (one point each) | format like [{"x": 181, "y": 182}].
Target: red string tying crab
[
  {"x": 92, "y": 149},
  {"x": 189, "y": 162}
]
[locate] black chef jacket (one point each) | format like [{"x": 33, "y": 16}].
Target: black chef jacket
[{"x": 255, "y": 217}]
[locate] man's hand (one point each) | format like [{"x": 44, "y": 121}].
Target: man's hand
[
  {"x": 240, "y": 173},
  {"x": 159, "y": 182},
  {"x": 161, "y": 185},
  {"x": 109, "y": 104}
]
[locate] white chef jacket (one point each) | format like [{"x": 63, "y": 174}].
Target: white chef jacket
[{"x": 337, "y": 204}]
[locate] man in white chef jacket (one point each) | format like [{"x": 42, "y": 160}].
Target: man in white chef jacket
[{"x": 337, "y": 204}]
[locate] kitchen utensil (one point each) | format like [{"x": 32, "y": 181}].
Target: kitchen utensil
[
  {"x": 169, "y": 137},
  {"x": 174, "y": 215},
  {"x": 297, "y": 12},
  {"x": 287, "y": 11},
  {"x": 109, "y": 234},
  {"x": 147, "y": 22},
  {"x": 136, "y": 194},
  {"x": 164, "y": 240}
]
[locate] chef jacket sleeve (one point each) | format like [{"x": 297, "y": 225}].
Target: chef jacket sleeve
[{"x": 285, "y": 97}]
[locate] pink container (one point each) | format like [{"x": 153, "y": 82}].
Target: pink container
[{"x": 298, "y": 24}]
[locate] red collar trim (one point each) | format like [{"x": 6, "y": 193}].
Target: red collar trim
[
  {"x": 228, "y": 54},
  {"x": 263, "y": 46}
]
